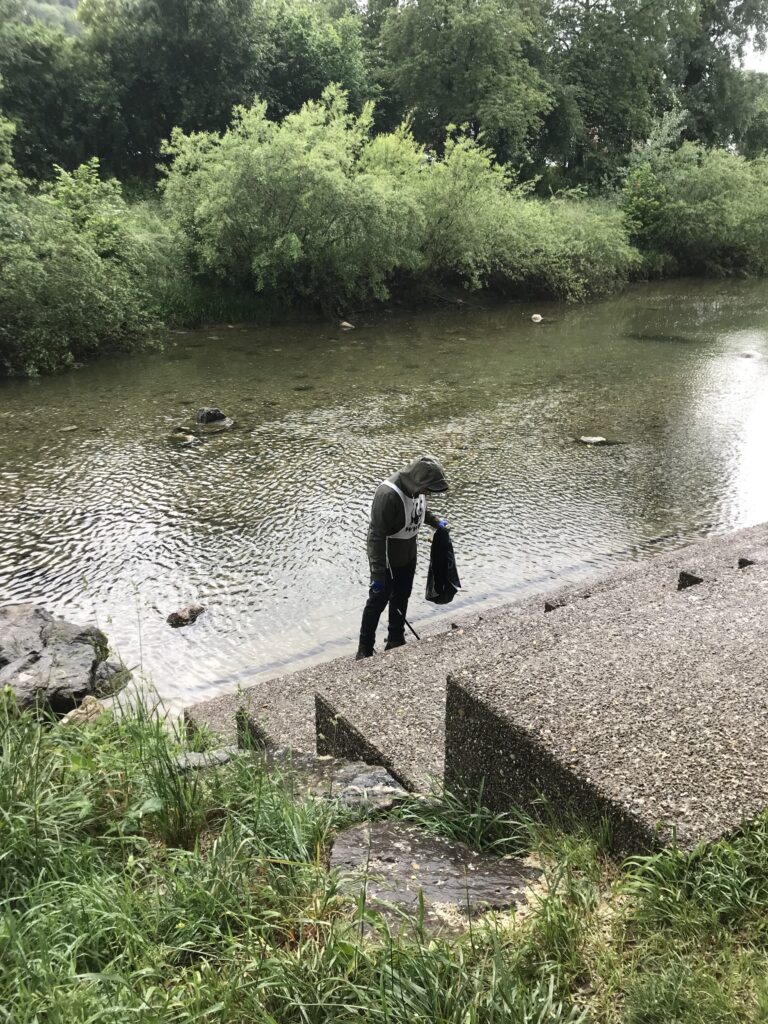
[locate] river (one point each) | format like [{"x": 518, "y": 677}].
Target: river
[{"x": 106, "y": 519}]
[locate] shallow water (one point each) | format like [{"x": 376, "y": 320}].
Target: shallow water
[{"x": 265, "y": 525}]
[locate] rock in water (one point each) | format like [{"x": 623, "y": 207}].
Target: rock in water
[
  {"x": 345, "y": 325},
  {"x": 48, "y": 661},
  {"x": 185, "y": 616},
  {"x": 210, "y": 414},
  {"x": 537, "y": 318}
]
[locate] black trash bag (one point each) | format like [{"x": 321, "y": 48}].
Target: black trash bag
[{"x": 442, "y": 579}]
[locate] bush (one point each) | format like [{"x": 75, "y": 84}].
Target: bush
[
  {"x": 76, "y": 278},
  {"x": 699, "y": 211},
  {"x": 313, "y": 208}
]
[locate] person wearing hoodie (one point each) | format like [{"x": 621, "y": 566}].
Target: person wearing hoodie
[{"x": 398, "y": 511}]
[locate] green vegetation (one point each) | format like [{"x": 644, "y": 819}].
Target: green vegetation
[
  {"x": 311, "y": 153},
  {"x": 131, "y": 891},
  {"x": 316, "y": 207}
]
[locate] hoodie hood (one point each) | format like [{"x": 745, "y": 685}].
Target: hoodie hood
[{"x": 423, "y": 474}]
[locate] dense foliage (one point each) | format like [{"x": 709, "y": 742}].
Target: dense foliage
[
  {"x": 561, "y": 88},
  {"x": 330, "y": 154},
  {"x": 317, "y": 207},
  {"x": 75, "y": 274}
]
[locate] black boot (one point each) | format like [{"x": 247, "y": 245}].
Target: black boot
[
  {"x": 365, "y": 651},
  {"x": 394, "y": 642}
]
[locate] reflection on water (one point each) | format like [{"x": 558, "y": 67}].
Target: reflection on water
[{"x": 265, "y": 525}]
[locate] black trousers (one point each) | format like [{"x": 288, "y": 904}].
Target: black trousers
[{"x": 397, "y": 590}]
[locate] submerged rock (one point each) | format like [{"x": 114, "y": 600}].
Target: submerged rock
[
  {"x": 52, "y": 662},
  {"x": 209, "y": 414},
  {"x": 396, "y": 862},
  {"x": 182, "y": 437},
  {"x": 596, "y": 440},
  {"x": 185, "y": 616}
]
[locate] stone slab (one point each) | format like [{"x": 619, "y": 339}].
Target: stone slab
[
  {"x": 395, "y": 863},
  {"x": 656, "y": 719}
]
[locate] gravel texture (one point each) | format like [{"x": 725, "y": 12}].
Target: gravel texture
[
  {"x": 613, "y": 638},
  {"x": 655, "y": 717}
]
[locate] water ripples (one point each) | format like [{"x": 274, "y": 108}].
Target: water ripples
[{"x": 265, "y": 525}]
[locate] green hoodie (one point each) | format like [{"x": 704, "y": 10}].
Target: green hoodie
[{"x": 388, "y": 515}]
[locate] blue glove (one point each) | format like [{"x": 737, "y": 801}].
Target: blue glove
[
  {"x": 377, "y": 586},
  {"x": 442, "y": 523}
]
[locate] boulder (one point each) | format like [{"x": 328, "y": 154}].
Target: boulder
[
  {"x": 52, "y": 662},
  {"x": 209, "y": 414},
  {"x": 185, "y": 616}
]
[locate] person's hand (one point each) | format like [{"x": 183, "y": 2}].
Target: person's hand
[{"x": 377, "y": 586}]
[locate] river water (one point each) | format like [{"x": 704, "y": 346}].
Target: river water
[{"x": 104, "y": 518}]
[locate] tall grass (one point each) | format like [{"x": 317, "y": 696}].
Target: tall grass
[{"x": 131, "y": 891}]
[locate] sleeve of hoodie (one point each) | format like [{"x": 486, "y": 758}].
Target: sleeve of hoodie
[
  {"x": 387, "y": 517},
  {"x": 432, "y": 520}
]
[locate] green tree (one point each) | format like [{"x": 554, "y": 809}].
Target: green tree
[
  {"x": 753, "y": 140},
  {"x": 293, "y": 209},
  {"x": 311, "y": 44},
  {"x": 170, "y": 63},
  {"x": 606, "y": 62},
  {"x": 699, "y": 211},
  {"x": 707, "y": 40},
  {"x": 57, "y": 93},
  {"x": 466, "y": 62}
]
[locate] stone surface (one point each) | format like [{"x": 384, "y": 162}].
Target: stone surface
[
  {"x": 194, "y": 760},
  {"x": 396, "y": 862},
  {"x": 185, "y": 616},
  {"x": 356, "y": 784},
  {"x": 390, "y": 709},
  {"x": 50, "y": 661},
  {"x": 655, "y": 719},
  {"x": 375, "y": 711},
  {"x": 88, "y": 711}
]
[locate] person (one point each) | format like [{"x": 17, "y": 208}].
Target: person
[{"x": 398, "y": 511}]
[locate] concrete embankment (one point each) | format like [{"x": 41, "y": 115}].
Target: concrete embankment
[{"x": 641, "y": 696}]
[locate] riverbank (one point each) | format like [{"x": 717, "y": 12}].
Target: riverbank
[
  {"x": 133, "y": 890},
  {"x": 316, "y": 211}
]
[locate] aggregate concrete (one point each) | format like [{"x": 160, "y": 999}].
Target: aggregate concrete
[
  {"x": 656, "y": 720},
  {"x": 390, "y": 709}
]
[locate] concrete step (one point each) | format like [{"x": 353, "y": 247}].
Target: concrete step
[
  {"x": 391, "y": 711},
  {"x": 656, "y": 719}
]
